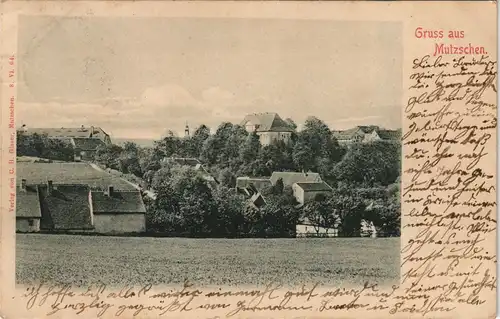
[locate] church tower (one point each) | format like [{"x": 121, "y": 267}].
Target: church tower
[{"x": 186, "y": 130}]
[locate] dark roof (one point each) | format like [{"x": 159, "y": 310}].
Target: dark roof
[
  {"x": 28, "y": 202},
  {"x": 118, "y": 202},
  {"x": 69, "y": 173},
  {"x": 259, "y": 183},
  {"x": 267, "y": 122},
  {"x": 314, "y": 187},
  {"x": 258, "y": 200},
  {"x": 290, "y": 178},
  {"x": 67, "y": 207},
  {"x": 87, "y": 144}
]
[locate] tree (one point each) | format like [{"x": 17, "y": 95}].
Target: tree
[
  {"x": 302, "y": 155},
  {"x": 44, "y": 147},
  {"x": 291, "y": 124},
  {"x": 321, "y": 214},
  {"x": 201, "y": 134},
  {"x": 227, "y": 178},
  {"x": 370, "y": 163},
  {"x": 129, "y": 159},
  {"x": 210, "y": 150},
  {"x": 249, "y": 150},
  {"x": 109, "y": 156},
  {"x": 349, "y": 210},
  {"x": 228, "y": 218}
]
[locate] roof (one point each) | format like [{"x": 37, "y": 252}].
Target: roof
[
  {"x": 257, "y": 200},
  {"x": 67, "y": 208},
  {"x": 267, "y": 122},
  {"x": 347, "y": 134},
  {"x": 28, "y": 202},
  {"x": 390, "y": 134},
  {"x": 69, "y": 173},
  {"x": 290, "y": 178},
  {"x": 119, "y": 202},
  {"x": 97, "y": 132},
  {"x": 87, "y": 144},
  {"x": 259, "y": 183},
  {"x": 361, "y": 130},
  {"x": 314, "y": 187},
  {"x": 188, "y": 161}
]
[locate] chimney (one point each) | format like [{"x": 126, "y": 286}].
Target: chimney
[
  {"x": 91, "y": 131},
  {"x": 50, "y": 187},
  {"x": 23, "y": 184},
  {"x": 110, "y": 190}
]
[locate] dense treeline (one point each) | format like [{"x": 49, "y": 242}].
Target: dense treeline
[
  {"x": 37, "y": 145},
  {"x": 365, "y": 178}
]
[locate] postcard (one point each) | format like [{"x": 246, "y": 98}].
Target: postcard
[{"x": 248, "y": 159}]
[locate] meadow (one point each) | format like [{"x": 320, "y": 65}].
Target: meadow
[{"x": 85, "y": 260}]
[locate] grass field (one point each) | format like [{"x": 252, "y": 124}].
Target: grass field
[{"x": 84, "y": 260}]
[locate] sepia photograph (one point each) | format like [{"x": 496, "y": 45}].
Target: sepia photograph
[{"x": 223, "y": 151}]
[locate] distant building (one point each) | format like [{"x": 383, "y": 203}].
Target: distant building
[
  {"x": 67, "y": 133},
  {"x": 268, "y": 126},
  {"x": 117, "y": 211},
  {"x": 85, "y": 140},
  {"x": 367, "y": 134},
  {"x": 306, "y": 192}
]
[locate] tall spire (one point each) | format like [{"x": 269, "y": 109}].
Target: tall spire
[{"x": 186, "y": 131}]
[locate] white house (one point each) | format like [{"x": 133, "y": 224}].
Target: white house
[
  {"x": 268, "y": 126},
  {"x": 305, "y": 192}
]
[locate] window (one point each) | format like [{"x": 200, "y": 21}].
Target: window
[{"x": 31, "y": 222}]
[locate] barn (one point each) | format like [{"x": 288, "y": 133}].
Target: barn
[{"x": 115, "y": 211}]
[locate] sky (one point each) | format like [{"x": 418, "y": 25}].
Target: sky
[{"x": 139, "y": 77}]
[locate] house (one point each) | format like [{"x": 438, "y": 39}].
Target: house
[
  {"x": 251, "y": 185},
  {"x": 290, "y": 178},
  {"x": 28, "y": 211},
  {"x": 366, "y": 134},
  {"x": 115, "y": 211},
  {"x": 307, "y": 229},
  {"x": 268, "y": 126},
  {"x": 307, "y": 191},
  {"x": 78, "y": 208}
]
